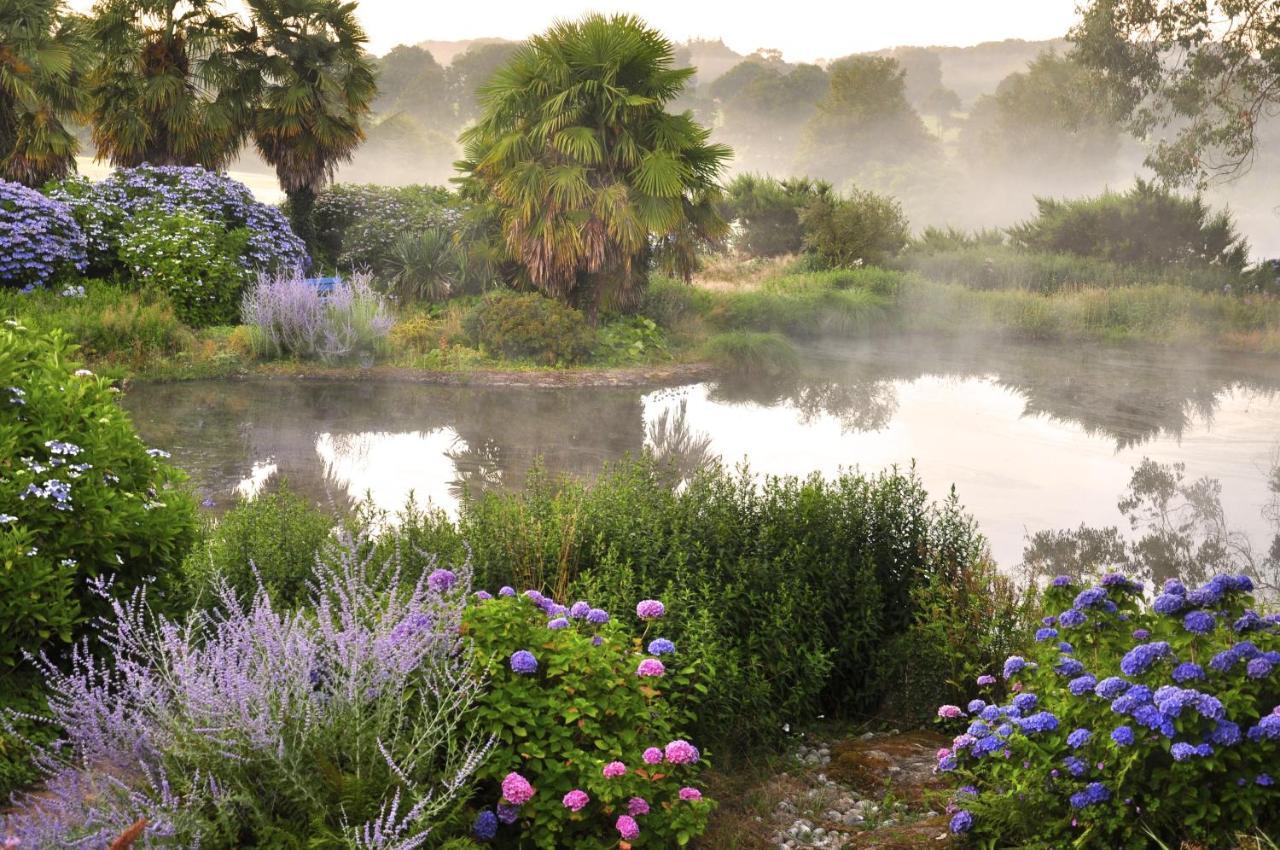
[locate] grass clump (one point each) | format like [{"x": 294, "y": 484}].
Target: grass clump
[{"x": 752, "y": 353}]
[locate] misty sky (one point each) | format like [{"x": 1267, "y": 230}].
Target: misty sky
[{"x": 804, "y": 30}]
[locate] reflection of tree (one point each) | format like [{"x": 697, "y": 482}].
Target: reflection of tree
[
  {"x": 1182, "y": 532},
  {"x": 676, "y": 448},
  {"x": 859, "y": 405},
  {"x": 478, "y": 468}
]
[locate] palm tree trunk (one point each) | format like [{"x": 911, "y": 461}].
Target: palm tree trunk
[{"x": 302, "y": 203}]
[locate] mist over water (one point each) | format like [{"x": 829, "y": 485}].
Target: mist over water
[{"x": 1032, "y": 438}]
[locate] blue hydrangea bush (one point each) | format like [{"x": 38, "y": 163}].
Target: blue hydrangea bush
[
  {"x": 589, "y": 719},
  {"x": 1127, "y": 722},
  {"x": 40, "y": 240},
  {"x": 103, "y": 208},
  {"x": 81, "y": 497}
]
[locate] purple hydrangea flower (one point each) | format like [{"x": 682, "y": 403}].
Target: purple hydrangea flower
[
  {"x": 576, "y": 800},
  {"x": 1068, "y": 666},
  {"x": 1090, "y": 598},
  {"x": 1046, "y": 634},
  {"x": 681, "y": 751},
  {"x": 507, "y": 813},
  {"x": 650, "y": 609},
  {"x": 1082, "y": 685},
  {"x": 516, "y": 789},
  {"x": 1169, "y": 603},
  {"x": 1093, "y": 793},
  {"x": 579, "y": 610},
  {"x": 597, "y": 616},
  {"x": 1111, "y": 687},
  {"x": 985, "y": 680},
  {"x": 1077, "y": 767},
  {"x": 1013, "y": 665},
  {"x": 506, "y": 590},
  {"x": 558, "y": 623},
  {"x": 1072, "y": 619},
  {"x": 1041, "y": 721},
  {"x": 1199, "y": 622},
  {"x": 961, "y": 822},
  {"x": 650, "y": 668},
  {"x": 441, "y": 580},
  {"x": 1123, "y": 735},
  {"x": 1062, "y": 581},
  {"x": 1141, "y": 658},
  {"x": 1078, "y": 738},
  {"x": 523, "y": 662},
  {"x": 661, "y": 646},
  {"x": 485, "y": 826},
  {"x": 1025, "y": 702},
  {"x": 1259, "y": 668}
]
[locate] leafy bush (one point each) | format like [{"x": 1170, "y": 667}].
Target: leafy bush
[
  {"x": 1130, "y": 723},
  {"x": 102, "y": 210},
  {"x": 273, "y": 540},
  {"x": 862, "y": 229},
  {"x": 82, "y": 498},
  {"x": 635, "y": 339},
  {"x": 41, "y": 239},
  {"x": 292, "y": 318},
  {"x": 767, "y": 212},
  {"x": 357, "y": 226},
  {"x": 785, "y": 590},
  {"x": 752, "y": 354},
  {"x": 250, "y": 726},
  {"x": 22, "y": 733},
  {"x": 190, "y": 259},
  {"x": 589, "y": 716},
  {"x": 669, "y": 302},
  {"x": 525, "y": 324},
  {"x": 424, "y": 266},
  {"x": 1148, "y": 225}
]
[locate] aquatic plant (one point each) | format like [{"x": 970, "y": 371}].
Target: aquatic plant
[{"x": 1130, "y": 721}]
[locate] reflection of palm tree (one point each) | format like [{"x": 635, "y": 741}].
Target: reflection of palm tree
[
  {"x": 478, "y": 468},
  {"x": 675, "y": 447}
]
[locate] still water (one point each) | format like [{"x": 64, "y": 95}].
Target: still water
[{"x": 1032, "y": 438}]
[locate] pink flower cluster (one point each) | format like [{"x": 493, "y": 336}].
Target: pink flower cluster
[
  {"x": 614, "y": 769},
  {"x": 575, "y": 800},
  {"x": 681, "y": 752},
  {"x": 516, "y": 789},
  {"x": 650, "y": 668}
]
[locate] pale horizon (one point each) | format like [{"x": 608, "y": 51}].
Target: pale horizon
[{"x": 804, "y": 30}]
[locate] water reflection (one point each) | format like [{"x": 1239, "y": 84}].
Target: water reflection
[{"x": 1033, "y": 437}]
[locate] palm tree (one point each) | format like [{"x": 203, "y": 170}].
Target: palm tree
[
  {"x": 167, "y": 89},
  {"x": 316, "y": 86},
  {"x": 590, "y": 178},
  {"x": 42, "y": 59}
]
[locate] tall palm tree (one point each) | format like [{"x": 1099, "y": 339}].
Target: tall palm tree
[
  {"x": 316, "y": 86},
  {"x": 590, "y": 177},
  {"x": 42, "y": 59},
  {"x": 168, "y": 87}
]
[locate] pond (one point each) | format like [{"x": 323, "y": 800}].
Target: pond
[{"x": 1032, "y": 437}]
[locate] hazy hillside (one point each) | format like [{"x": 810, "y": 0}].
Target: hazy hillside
[
  {"x": 445, "y": 51},
  {"x": 974, "y": 71}
]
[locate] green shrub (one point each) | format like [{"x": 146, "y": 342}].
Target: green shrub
[
  {"x": 528, "y": 325},
  {"x": 23, "y": 700},
  {"x": 1146, "y": 226},
  {"x": 357, "y": 226},
  {"x": 274, "y": 539},
  {"x": 189, "y": 258},
  {"x": 1131, "y": 724},
  {"x": 669, "y": 302},
  {"x": 862, "y": 229},
  {"x": 806, "y": 305},
  {"x": 579, "y": 718},
  {"x": 752, "y": 353},
  {"x": 636, "y": 339},
  {"x": 424, "y": 266},
  {"x": 786, "y": 590},
  {"x": 768, "y": 212},
  {"x": 81, "y": 499}
]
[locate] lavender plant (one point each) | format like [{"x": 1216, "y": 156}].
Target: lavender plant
[
  {"x": 39, "y": 238},
  {"x": 340, "y": 726},
  {"x": 1128, "y": 723},
  {"x": 102, "y": 209},
  {"x": 291, "y": 318}
]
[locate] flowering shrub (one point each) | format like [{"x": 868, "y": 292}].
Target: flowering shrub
[
  {"x": 341, "y": 726},
  {"x": 1128, "y": 722},
  {"x": 39, "y": 238},
  {"x": 589, "y": 748},
  {"x": 80, "y": 496},
  {"x": 292, "y": 318},
  {"x": 103, "y": 208},
  {"x": 189, "y": 258},
  {"x": 358, "y": 226}
]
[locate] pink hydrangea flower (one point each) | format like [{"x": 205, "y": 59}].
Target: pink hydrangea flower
[
  {"x": 576, "y": 799},
  {"x": 650, "y": 609},
  {"x": 943, "y": 753},
  {"x": 516, "y": 789},
  {"x": 680, "y": 751},
  {"x": 950, "y": 711},
  {"x": 690, "y": 794},
  {"x": 651, "y": 668},
  {"x": 627, "y": 827},
  {"x": 637, "y": 806},
  {"x": 614, "y": 769},
  {"x": 653, "y": 755}
]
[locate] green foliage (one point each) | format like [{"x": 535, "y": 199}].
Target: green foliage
[
  {"x": 425, "y": 266},
  {"x": 585, "y": 170},
  {"x": 41, "y": 90},
  {"x": 584, "y": 707},
  {"x": 22, "y": 694},
  {"x": 636, "y": 339},
  {"x": 1155, "y": 786},
  {"x": 529, "y": 325},
  {"x": 1148, "y": 225},
  {"x": 273, "y": 539},
  {"x": 841, "y": 302},
  {"x": 861, "y": 229},
  {"x": 669, "y": 302},
  {"x": 752, "y": 354},
  {"x": 787, "y": 590},
  {"x": 81, "y": 497},
  {"x": 357, "y": 226},
  {"x": 192, "y": 260},
  {"x": 768, "y": 212}
]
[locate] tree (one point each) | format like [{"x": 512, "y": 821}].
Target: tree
[
  {"x": 168, "y": 86},
  {"x": 589, "y": 176},
  {"x": 1204, "y": 71},
  {"x": 315, "y": 86},
  {"x": 768, "y": 212},
  {"x": 1053, "y": 117},
  {"x": 470, "y": 71},
  {"x": 764, "y": 118},
  {"x": 411, "y": 81},
  {"x": 862, "y": 229},
  {"x": 863, "y": 119},
  {"x": 43, "y": 57}
]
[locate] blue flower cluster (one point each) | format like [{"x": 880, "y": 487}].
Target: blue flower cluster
[{"x": 39, "y": 238}]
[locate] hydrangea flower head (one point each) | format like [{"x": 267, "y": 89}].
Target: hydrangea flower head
[
  {"x": 1045, "y": 634},
  {"x": 690, "y": 795},
  {"x": 1168, "y": 603},
  {"x": 1025, "y": 702},
  {"x": 1062, "y": 581},
  {"x": 1199, "y": 622},
  {"x": 614, "y": 769},
  {"x": 1072, "y": 619},
  {"x": 1188, "y": 671},
  {"x": 516, "y": 789},
  {"x": 1093, "y": 793},
  {"x": 485, "y": 826},
  {"x": 483, "y": 595},
  {"x": 961, "y": 822},
  {"x": 508, "y": 813},
  {"x": 1142, "y": 657},
  {"x": 579, "y": 610},
  {"x": 985, "y": 680},
  {"x": 1041, "y": 721},
  {"x": 650, "y": 609},
  {"x": 627, "y": 827},
  {"x": 558, "y": 623},
  {"x": 661, "y": 646},
  {"x": 637, "y": 806},
  {"x": 575, "y": 800},
  {"x": 506, "y": 590},
  {"x": 950, "y": 711},
  {"x": 1123, "y": 735},
  {"x": 650, "y": 668},
  {"x": 597, "y": 616},
  {"x": 1078, "y": 738},
  {"x": 1013, "y": 665},
  {"x": 441, "y": 580},
  {"x": 523, "y": 662},
  {"x": 1082, "y": 685},
  {"x": 681, "y": 751},
  {"x": 652, "y": 755}
]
